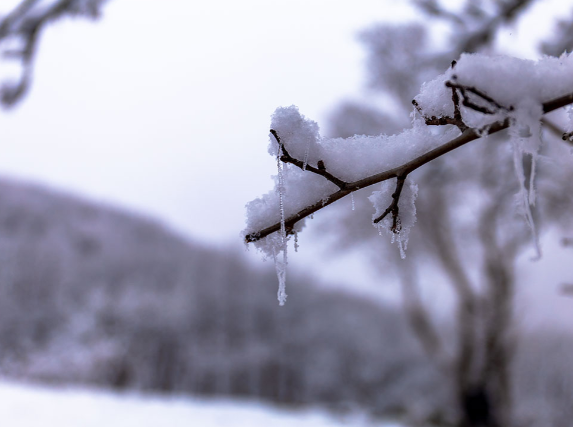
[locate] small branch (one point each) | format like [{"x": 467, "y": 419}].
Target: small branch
[
  {"x": 457, "y": 112},
  {"x": 468, "y": 103},
  {"x": 446, "y": 120},
  {"x": 467, "y": 136},
  {"x": 25, "y": 22},
  {"x": 396, "y": 227},
  {"x": 285, "y": 157}
]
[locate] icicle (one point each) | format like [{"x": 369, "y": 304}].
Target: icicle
[
  {"x": 402, "y": 244},
  {"x": 306, "y": 152},
  {"x": 379, "y": 226},
  {"x": 532, "y": 194},
  {"x": 524, "y": 195},
  {"x": 525, "y": 131},
  {"x": 296, "y": 241},
  {"x": 281, "y": 274},
  {"x": 281, "y": 195},
  {"x": 402, "y": 249},
  {"x": 352, "y": 200},
  {"x": 280, "y": 266}
]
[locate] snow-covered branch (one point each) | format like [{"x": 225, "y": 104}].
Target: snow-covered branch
[
  {"x": 467, "y": 136},
  {"x": 478, "y": 96},
  {"x": 320, "y": 168}
]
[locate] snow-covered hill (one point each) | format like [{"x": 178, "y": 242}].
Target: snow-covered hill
[{"x": 92, "y": 295}]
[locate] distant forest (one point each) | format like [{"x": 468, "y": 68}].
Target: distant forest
[{"x": 93, "y": 295}]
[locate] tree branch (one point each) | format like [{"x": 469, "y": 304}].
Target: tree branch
[
  {"x": 467, "y": 136},
  {"x": 25, "y": 23},
  {"x": 468, "y": 103},
  {"x": 446, "y": 120},
  {"x": 396, "y": 227},
  {"x": 285, "y": 157}
]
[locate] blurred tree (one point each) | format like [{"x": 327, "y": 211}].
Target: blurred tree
[
  {"x": 467, "y": 232},
  {"x": 92, "y": 295},
  {"x": 466, "y": 229},
  {"x": 21, "y": 26}
]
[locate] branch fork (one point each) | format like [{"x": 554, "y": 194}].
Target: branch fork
[
  {"x": 492, "y": 107},
  {"x": 394, "y": 208},
  {"x": 285, "y": 157}
]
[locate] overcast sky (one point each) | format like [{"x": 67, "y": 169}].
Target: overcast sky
[{"x": 164, "y": 107}]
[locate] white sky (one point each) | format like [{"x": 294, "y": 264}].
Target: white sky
[{"x": 164, "y": 107}]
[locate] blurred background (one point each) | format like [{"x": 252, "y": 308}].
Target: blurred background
[{"x": 134, "y": 132}]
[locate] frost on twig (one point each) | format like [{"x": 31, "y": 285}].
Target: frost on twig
[
  {"x": 394, "y": 208},
  {"x": 479, "y": 95},
  {"x": 401, "y": 206},
  {"x": 320, "y": 168}
]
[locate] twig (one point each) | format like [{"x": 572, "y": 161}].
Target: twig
[
  {"x": 446, "y": 120},
  {"x": 25, "y": 22},
  {"x": 467, "y": 136},
  {"x": 285, "y": 157},
  {"x": 468, "y": 103},
  {"x": 456, "y": 101},
  {"x": 396, "y": 227}
]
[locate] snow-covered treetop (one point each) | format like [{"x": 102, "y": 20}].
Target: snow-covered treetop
[{"x": 477, "y": 96}]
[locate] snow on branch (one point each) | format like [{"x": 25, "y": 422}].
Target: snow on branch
[
  {"x": 285, "y": 157},
  {"x": 479, "y": 95}
]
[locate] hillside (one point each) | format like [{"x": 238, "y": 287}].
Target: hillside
[{"x": 90, "y": 294}]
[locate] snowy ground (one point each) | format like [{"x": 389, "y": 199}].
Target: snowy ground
[{"x": 27, "y": 406}]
